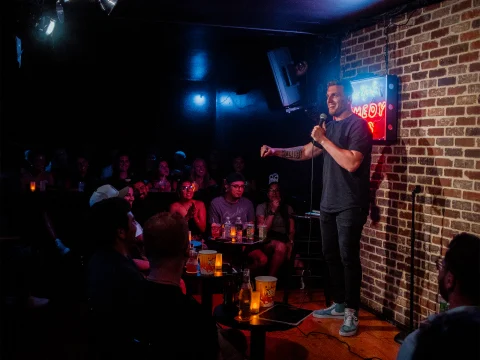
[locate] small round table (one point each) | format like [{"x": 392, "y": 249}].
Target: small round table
[{"x": 258, "y": 329}]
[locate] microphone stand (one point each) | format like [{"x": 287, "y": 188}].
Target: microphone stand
[{"x": 400, "y": 337}]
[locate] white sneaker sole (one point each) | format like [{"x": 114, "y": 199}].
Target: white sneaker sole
[
  {"x": 328, "y": 316},
  {"x": 352, "y": 333}
]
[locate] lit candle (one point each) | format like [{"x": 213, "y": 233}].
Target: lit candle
[
  {"x": 189, "y": 236},
  {"x": 255, "y": 304},
  {"x": 32, "y": 185},
  {"x": 233, "y": 232},
  {"x": 218, "y": 262}
]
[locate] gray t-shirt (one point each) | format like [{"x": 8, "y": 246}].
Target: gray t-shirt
[
  {"x": 221, "y": 208},
  {"x": 344, "y": 190},
  {"x": 278, "y": 225}
]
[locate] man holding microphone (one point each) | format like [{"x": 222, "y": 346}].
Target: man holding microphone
[{"x": 346, "y": 146}]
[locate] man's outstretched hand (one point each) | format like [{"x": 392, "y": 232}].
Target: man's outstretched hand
[{"x": 266, "y": 151}]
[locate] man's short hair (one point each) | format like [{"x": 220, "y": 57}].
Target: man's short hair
[
  {"x": 106, "y": 217},
  {"x": 346, "y": 84},
  {"x": 165, "y": 236},
  {"x": 463, "y": 261},
  {"x": 234, "y": 177}
]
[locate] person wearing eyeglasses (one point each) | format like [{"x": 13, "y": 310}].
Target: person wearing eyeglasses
[
  {"x": 192, "y": 210},
  {"x": 232, "y": 204},
  {"x": 454, "y": 333}
]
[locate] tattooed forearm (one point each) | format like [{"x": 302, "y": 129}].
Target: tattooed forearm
[{"x": 294, "y": 153}]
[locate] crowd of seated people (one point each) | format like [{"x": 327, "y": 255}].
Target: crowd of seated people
[{"x": 187, "y": 190}]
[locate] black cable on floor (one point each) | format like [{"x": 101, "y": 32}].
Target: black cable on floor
[{"x": 336, "y": 338}]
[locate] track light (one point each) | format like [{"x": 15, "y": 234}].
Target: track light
[{"x": 107, "y": 5}]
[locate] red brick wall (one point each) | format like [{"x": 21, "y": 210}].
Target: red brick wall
[{"x": 436, "y": 56}]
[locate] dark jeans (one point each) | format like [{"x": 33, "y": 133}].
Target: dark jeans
[{"x": 341, "y": 234}]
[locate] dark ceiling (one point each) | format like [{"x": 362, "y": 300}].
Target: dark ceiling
[{"x": 319, "y": 17}]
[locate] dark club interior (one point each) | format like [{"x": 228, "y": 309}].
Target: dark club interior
[{"x": 188, "y": 113}]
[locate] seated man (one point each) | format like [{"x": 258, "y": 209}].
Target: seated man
[
  {"x": 232, "y": 204},
  {"x": 459, "y": 284},
  {"x": 114, "y": 282},
  {"x": 172, "y": 316}
]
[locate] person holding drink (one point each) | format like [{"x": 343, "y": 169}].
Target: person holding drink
[
  {"x": 274, "y": 218},
  {"x": 192, "y": 210}
]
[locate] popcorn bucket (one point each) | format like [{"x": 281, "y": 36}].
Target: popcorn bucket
[
  {"x": 266, "y": 285},
  {"x": 207, "y": 261}
]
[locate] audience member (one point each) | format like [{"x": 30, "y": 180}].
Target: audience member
[
  {"x": 169, "y": 312},
  {"x": 114, "y": 283},
  {"x": 459, "y": 285},
  {"x": 192, "y": 210}
]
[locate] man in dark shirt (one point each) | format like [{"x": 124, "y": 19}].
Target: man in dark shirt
[
  {"x": 346, "y": 145},
  {"x": 176, "y": 325},
  {"x": 114, "y": 282}
]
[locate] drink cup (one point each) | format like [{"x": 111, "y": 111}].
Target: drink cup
[
  {"x": 250, "y": 231},
  {"x": 207, "y": 261},
  {"x": 262, "y": 231},
  {"x": 216, "y": 230},
  {"x": 266, "y": 285}
]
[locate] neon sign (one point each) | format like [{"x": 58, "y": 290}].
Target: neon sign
[{"x": 369, "y": 101}]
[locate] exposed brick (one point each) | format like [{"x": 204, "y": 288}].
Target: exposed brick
[
  {"x": 465, "y": 142},
  {"x": 420, "y": 75},
  {"x": 474, "y": 89},
  {"x": 431, "y": 64},
  {"x": 469, "y": 57},
  {"x": 469, "y": 36},
  {"x": 431, "y": 26},
  {"x": 449, "y": 40},
  {"x": 467, "y": 100},
  {"x": 446, "y": 101},
  {"x": 451, "y": 60},
  {"x": 457, "y": 90},
  {"x": 467, "y": 78},
  {"x": 437, "y": 73},
  {"x": 426, "y": 84},
  {"x": 455, "y": 111},
  {"x": 426, "y": 103},
  {"x": 429, "y": 45},
  {"x": 462, "y": 121},
  {"x": 438, "y": 52},
  {"x": 471, "y": 14},
  {"x": 439, "y": 33},
  {"x": 473, "y": 110},
  {"x": 420, "y": 56},
  {"x": 437, "y": 92},
  {"x": 457, "y": 49},
  {"x": 446, "y": 81},
  {"x": 455, "y": 131},
  {"x": 457, "y": 69},
  {"x": 459, "y": 6},
  {"x": 459, "y": 28},
  {"x": 440, "y": 13}
]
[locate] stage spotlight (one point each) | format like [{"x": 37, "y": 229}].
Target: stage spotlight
[
  {"x": 107, "y": 5},
  {"x": 44, "y": 27}
]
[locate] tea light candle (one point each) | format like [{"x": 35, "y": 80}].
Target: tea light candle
[
  {"x": 255, "y": 304},
  {"x": 190, "y": 236},
  {"x": 233, "y": 232},
  {"x": 218, "y": 262},
  {"x": 32, "y": 185}
]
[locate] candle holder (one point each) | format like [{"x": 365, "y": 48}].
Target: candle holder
[
  {"x": 33, "y": 186},
  {"x": 218, "y": 262},
  {"x": 255, "y": 303}
]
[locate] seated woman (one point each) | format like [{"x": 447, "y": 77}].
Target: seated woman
[
  {"x": 161, "y": 182},
  {"x": 276, "y": 215},
  {"x": 192, "y": 210}
]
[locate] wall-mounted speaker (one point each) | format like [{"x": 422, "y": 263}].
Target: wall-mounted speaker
[{"x": 284, "y": 74}]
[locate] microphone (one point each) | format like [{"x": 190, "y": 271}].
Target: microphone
[{"x": 323, "y": 119}]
